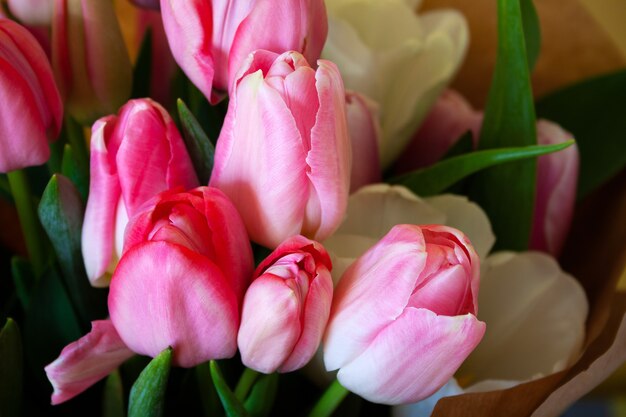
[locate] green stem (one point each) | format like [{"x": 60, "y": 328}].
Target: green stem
[
  {"x": 329, "y": 401},
  {"x": 31, "y": 228},
  {"x": 245, "y": 383},
  {"x": 76, "y": 139}
]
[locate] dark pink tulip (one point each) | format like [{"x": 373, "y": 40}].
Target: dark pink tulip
[
  {"x": 286, "y": 308},
  {"x": 211, "y": 39},
  {"x": 283, "y": 156},
  {"x": 186, "y": 264},
  {"x": 404, "y": 315},
  {"x": 364, "y": 128},
  {"x": 89, "y": 57},
  {"x": 31, "y": 109},
  {"x": 134, "y": 156},
  {"x": 450, "y": 118},
  {"x": 557, "y": 177}
]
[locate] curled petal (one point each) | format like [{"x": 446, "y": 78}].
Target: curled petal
[{"x": 86, "y": 361}]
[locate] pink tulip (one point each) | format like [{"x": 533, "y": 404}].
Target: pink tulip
[
  {"x": 557, "y": 177},
  {"x": 186, "y": 264},
  {"x": 134, "y": 156},
  {"x": 32, "y": 12},
  {"x": 364, "y": 128},
  {"x": 404, "y": 315},
  {"x": 449, "y": 119},
  {"x": 286, "y": 308},
  {"x": 283, "y": 156},
  {"x": 211, "y": 39},
  {"x": 89, "y": 57},
  {"x": 31, "y": 110},
  {"x": 86, "y": 361}
]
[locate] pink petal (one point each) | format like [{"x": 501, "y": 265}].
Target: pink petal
[
  {"x": 372, "y": 293},
  {"x": 189, "y": 28},
  {"x": 314, "y": 320},
  {"x": 104, "y": 195},
  {"x": 329, "y": 158},
  {"x": 164, "y": 295},
  {"x": 260, "y": 162},
  {"x": 270, "y": 324},
  {"x": 412, "y": 357},
  {"x": 86, "y": 361}
]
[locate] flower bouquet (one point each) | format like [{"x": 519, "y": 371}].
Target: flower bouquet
[{"x": 265, "y": 208}]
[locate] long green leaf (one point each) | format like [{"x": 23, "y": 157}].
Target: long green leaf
[
  {"x": 72, "y": 170},
  {"x": 147, "y": 396},
  {"x": 10, "y": 370},
  {"x": 113, "y": 396},
  {"x": 200, "y": 148},
  {"x": 594, "y": 111},
  {"x": 532, "y": 31},
  {"x": 437, "y": 178},
  {"x": 260, "y": 401},
  {"x": 61, "y": 213},
  {"x": 23, "y": 279},
  {"x": 507, "y": 193},
  {"x": 232, "y": 406}
]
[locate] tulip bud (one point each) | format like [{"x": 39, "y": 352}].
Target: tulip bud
[
  {"x": 364, "y": 128},
  {"x": 450, "y": 118},
  {"x": 286, "y": 308},
  {"x": 31, "y": 110},
  {"x": 404, "y": 315},
  {"x": 211, "y": 39},
  {"x": 557, "y": 177},
  {"x": 134, "y": 156},
  {"x": 399, "y": 59},
  {"x": 32, "y": 12},
  {"x": 283, "y": 156},
  {"x": 89, "y": 57},
  {"x": 186, "y": 264}
]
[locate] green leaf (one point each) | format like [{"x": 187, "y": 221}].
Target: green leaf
[
  {"x": 142, "y": 73},
  {"x": 72, "y": 170},
  {"x": 532, "y": 32},
  {"x": 147, "y": 396},
  {"x": 436, "y": 178},
  {"x": 594, "y": 111},
  {"x": 10, "y": 370},
  {"x": 5, "y": 189},
  {"x": 260, "y": 401},
  {"x": 113, "y": 396},
  {"x": 507, "y": 193},
  {"x": 61, "y": 213},
  {"x": 200, "y": 148},
  {"x": 464, "y": 145},
  {"x": 208, "y": 395},
  {"x": 23, "y": 279},
  {"x": 76, "y": 138},
  {"x": 232, "y": 406}
]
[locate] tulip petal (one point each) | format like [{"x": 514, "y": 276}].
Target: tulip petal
[
  {"x": 536, "y": 316},
  {"x": 362, "y": 118},
  {"x": 270, "y": 324},
  {"x": 315, "y": 317},
  {"x": 164, "y": 295},
  {"x": 188, "y": 25},
  {"x": 99, "y": 225},
  {"x": 359, "y": 313},
  {"x": 329, "y": 157},
  {"x": 412, "y": 357},
  {"x": 86, "y": 361}
]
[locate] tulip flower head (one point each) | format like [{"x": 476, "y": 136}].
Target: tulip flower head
[
  {"x": 210, "y": 39},
  {"x": 283, "y": 156},
  {"x": 286, "y": 307},
  {"x": 31, "y": 110},
  {"x": 134, "y": 156},
  {"x": 404, "y": 315}
]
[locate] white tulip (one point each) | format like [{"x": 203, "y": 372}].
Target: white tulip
[{"x": 403, "y": 61}]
